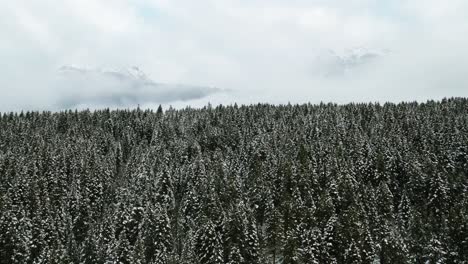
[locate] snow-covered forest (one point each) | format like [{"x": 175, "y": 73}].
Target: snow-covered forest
[{"x": 355, "y": 183}]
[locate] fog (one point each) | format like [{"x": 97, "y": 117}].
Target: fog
[{"x": 231, "y": 51}]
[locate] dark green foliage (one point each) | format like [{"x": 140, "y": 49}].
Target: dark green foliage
[{"x": 356, "y": 183}]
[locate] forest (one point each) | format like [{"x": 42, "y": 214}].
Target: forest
[{"x": 306, "y": 184}]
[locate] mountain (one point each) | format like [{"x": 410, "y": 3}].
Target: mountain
[
  {"x": 335, "y": 63},
  {"x": 126, "y": 74},
  {"x": 121, "y": 87}
]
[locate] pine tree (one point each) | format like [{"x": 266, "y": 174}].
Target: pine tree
[
  {"x": 274, "y": 236},
  {"x": 235, "y": 256},
  {"x": 157, "y": 235},
  {"x": 209, "y": 248}
]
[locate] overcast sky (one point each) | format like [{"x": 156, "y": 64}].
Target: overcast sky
[{"x": 275, "y": 51}]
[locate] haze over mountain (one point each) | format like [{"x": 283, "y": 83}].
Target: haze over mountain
[
  {"x": 332, "y": 63},
  {"x": 130, "y": 86},
  {"x": 127, "y": 87}
]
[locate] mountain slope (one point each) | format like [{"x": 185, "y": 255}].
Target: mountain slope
[
  {"x": 122, "y": 87},
  {"x": 335, "y": 63}
]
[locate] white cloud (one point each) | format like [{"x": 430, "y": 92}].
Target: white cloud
[{"x": 264, "y": 50}]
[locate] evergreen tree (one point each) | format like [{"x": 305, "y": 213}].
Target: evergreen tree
[{"x": 209, "y": 248}]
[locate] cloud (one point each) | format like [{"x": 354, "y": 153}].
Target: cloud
[
  {"x": 80, "y": 87},
  {"x": 264, "y": 51}
]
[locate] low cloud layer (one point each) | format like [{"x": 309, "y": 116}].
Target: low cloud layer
[
  {"x": 80, "y": 87},
  {"x": 262, "y": 51}
]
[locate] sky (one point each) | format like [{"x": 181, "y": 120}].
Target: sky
[{"x": 249, "y": 51}]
